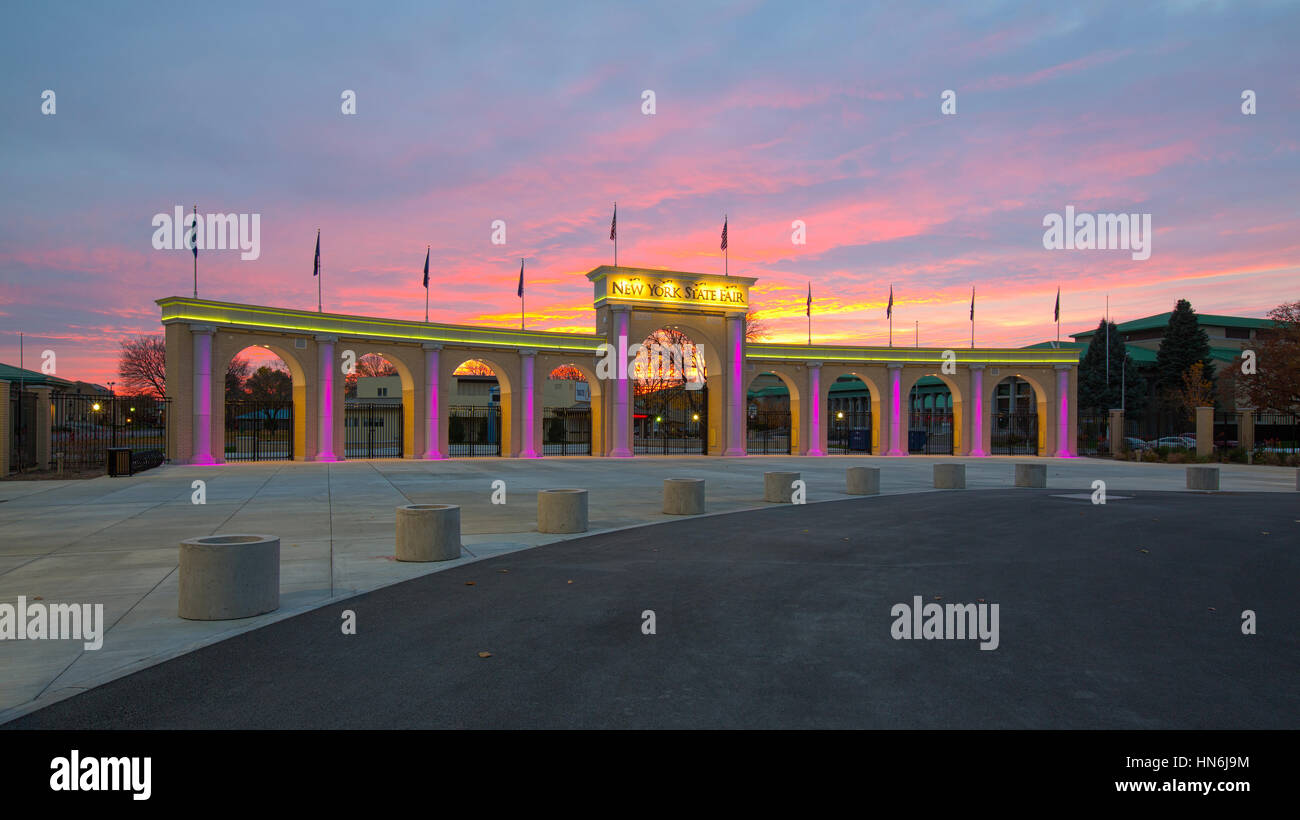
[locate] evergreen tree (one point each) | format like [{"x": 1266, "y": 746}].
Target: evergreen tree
[
  {"x": 1126, "y": 384},
  {"x": 1185, "y": 343}
]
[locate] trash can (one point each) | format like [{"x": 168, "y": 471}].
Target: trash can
[
  {"x": 858, "y": 440},
  {"x": 119, "y": 461}
]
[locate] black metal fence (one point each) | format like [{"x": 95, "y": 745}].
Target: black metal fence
[
  {"x": 1014, "y": 434},
  {"x": 1159, "y": 428},
  {"x": 372, "y": 430},
  {"x": 671, "y": 421},
  {"x": 1227, "y": 431},
  {"x": 1093, "y": 435},
  {"x": 566, "y": 431},
  {"x": 259, "y": 431},
  {"x": 474, "y": 430},
  {"x": 849, "y": 432},
  {"x": 1277, "y": 432},
  {"x": 84, "y": 427},
  {"x": 767, "y": 432},
  {"x": 930, "y": 432}
]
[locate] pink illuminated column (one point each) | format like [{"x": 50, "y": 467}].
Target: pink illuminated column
[
  {"x": 896, "y": 447},
  {"x": 619, "y": 448},
  {"x": 1063, "y": 410},
  {"x": 735, "y": 363},
  {"x": 815, "y": 409},
  {"x": 528, "y": 407},
  {"x": 976, "y": 411},
  {"x": 432, "y": 446},
  {"x": 325, "y": 412},
  {"x": 202, "y": 394}
]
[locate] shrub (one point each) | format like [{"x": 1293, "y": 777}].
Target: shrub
[
  {"x": 1269, "y": 458},
  {"x": 1293, "y": 460},
  {"x": 1179, "y": 457}
]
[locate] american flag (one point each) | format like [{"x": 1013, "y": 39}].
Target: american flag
[
  {"x": 889, "y": 311},
  {"x": 724, "y": 233},
  {"x": 613, "y": 226}
]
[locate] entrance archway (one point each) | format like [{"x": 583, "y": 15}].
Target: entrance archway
[
  {"x": 770, "y": 424},
  {"x": 567, "y": 412},
  {"x": 1015, "y": 427},
  {"x": 264, "y": 406},
  {"x": 670, "y": 397},
  {"x": 474, "y": 419}
]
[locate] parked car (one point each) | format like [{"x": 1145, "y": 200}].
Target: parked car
[
  {"x": 1174, "y": 442},
  {"x": 1136, "y": 444}
]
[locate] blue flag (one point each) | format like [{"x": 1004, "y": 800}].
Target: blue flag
[
  {"x": 194, "y": 240},
  {"x": 426, "y": 268}
]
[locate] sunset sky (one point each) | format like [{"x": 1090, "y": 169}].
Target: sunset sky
[{"x": 532, "y": 113}]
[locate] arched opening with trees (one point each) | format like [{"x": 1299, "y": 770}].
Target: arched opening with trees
[
  {"x": 670, "y": 398},
  {"x": 373, "y": 413},
  {"x": 261, "y": 401}
]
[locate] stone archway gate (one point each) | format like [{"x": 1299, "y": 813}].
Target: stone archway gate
[{"x": 630, "y": 303}]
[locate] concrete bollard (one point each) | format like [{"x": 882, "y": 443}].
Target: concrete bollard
[
  {"x": 864, "y": 480},
  {"x": 561, "y": 510},
  {"x": 1031, "y": 475},
  {"x": 683, "y": 496},
  {"x": 224, "y": 577},
  {"x": 1203, "y": 478},
  {"x": 428, "y": 532},
  {"x": 777, "y": 486},
  {"x": 950, "y": 476}
]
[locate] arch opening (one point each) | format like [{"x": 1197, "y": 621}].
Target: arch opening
[
  {"x": 265, "y": 413},
  {"x": 1015, "y": 427},
  {"x": 770, "y": 427},
  {"x": 474, "y": 419},
  {"x": 670, "y": 395},
  {"x": 566, "y": 412},
  {"x": 931, "y": 428},
  {"x": 848, "y": 417},
  {"x": 375, "y": 395}
]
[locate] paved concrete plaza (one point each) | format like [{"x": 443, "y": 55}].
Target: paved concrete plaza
[
  {"x": 115, "y": 540},
  {"x": 1123, "y": 616}
]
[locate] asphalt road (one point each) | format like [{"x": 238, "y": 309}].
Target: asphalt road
[{"x": 1126, "y": 615}]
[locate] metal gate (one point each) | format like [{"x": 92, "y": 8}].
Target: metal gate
[
  {"x": 768, "y": 433},
  {"x": 929, "y": 432},
  {"x": 1014, "y": 434},
  {"x": 372, "y": 430},
  {"x": 671, "y": 421},
  {"x": 259, "y": 431},
  {"x": 849, "y": 432},
  {"x": 474, "y": 430},
  {"x": 566, "y": 431}
]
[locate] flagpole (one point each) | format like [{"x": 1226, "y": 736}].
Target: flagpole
[
  {"x": 616, "y": 234},
  {"x": 726, "y": 258},
  {"x": 196, "y": 256},
  {"x": 320, "y": 274},
  {"x": 1107, "y": 340},
  {"x": 917, "y": 338},
  {"x": 426, "y": 283}
]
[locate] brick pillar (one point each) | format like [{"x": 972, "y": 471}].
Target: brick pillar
[
  {"x": 1246, "y": 431},
  {"x": 1204, "y": 431}
]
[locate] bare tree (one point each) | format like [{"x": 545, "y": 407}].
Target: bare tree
[
  {"x": 368, "y": 366},
  {"x": 756, "y": 327},
  {"x": 567, "y": 372},
  {"x": 142, "y": 366}
]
